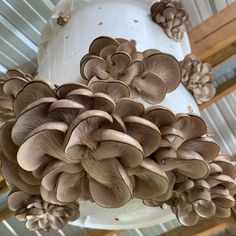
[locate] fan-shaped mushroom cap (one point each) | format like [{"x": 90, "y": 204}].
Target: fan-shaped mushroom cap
[
  {"x": 64, "y": 89},
  {"x": 151, "y": 88},
  {"x": 6, "y": 142},
  {"x": 205, "y": 209},
  {"x": 206, "y": 147},
  {"x": 128, "y": 107},
  {"x": 150, "y": 180},
  {"x": 11, "y": 175},
  {"x": 80, "y": 130},
  {"x": 65, "y": 110},
  {"x": 145, "y": 129},
  {"x": 115, "y": 89},
  {"x": 114, "y": 144},
  {"x": 33, "y": 91},
  {"x": 64, "y": 178},
  {"x": 166, "y": 68},
  {"x": 31, "y": 117},
  {"x": 45, "y": 139},
  {"x": 191, "y": 125},
  {"x": 13, "y": 86},
  {"x": 17, "y": 199},
  {"x": 99, "y": 43},
  {"x": 159, "y": 115},
  {"x": 188, "y": 163},
  {"x": 109, "y": 183},
  {"x": 226, "y": 165}
]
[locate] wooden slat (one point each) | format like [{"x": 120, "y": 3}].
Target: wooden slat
[
  {"x": 102, "y": 233},
  {"x": 214, "y": 40},
  {"x": 221, "y": 93},
  {"x": 210, "y": 226}
]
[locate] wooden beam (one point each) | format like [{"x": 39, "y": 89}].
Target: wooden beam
[
  {"x": 214, "y": 40},
  {"x": 103, "y": 233},
  {"x": 221, "y": 93},
  {"x": 5, "y": 214},
  {"x": 210, "y": 226}
]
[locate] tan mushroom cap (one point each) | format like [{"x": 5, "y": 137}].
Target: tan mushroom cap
[
  {"x": 145, "y": 129},
  {"x": 6, "y": 142},
  {"x": 151, "y": 88},
  {"x": 33, "y": 91},
  {"x": 115, "y": 89},
  {"x": 13, "y": 86},
  {"x": 17, "y": 199},
  {"x": 45, "y": 139},
  {"x": 64, "y": 89},
  {"x": 160, "y": 116},
  {"x": 80, "y": 130},
  {"x": 157, "y": 64},
  {"x": 206, "y": 147},
  {"x": 114, "y": 144},
  {"x": 109, "y": 184},
  {"x": 99, "y": 43},
  {"x": 129, "y": 107},
  {"x": 31, "y": 117},
  {"x": 150, "y": 180},
  {"x": 64, "y": 178},
  {"x": 11, "y": 175}
]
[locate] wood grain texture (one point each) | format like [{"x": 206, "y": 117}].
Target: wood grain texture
[
  {"x": 214, "y": 40},
  {"x": 221, "y": 93},
  {"x": 103, "y": 233},
  {"x": 203, "y": 228}
]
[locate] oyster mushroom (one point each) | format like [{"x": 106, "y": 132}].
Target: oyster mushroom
[
  {"x": 10, "y": 86},
  {"x": 171, "y": 16},
  {"x": 145, "y": 73},
  {"x": 198, "y": 78},
  {"x": 39, "y": 214}
]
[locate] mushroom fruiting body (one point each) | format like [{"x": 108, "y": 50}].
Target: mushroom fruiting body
[
  {"x": 171, "y": 15},
  {"x": 39, "y": 214},
  {"x": 198, "y": 78},
  {"x": 96, "y": 143}
]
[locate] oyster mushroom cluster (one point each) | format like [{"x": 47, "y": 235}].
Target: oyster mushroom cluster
[
  {"x": 39, "y": 214},
  {"x": 149, "y": 74},
  {"x": 171, "y": 16},
  {"x": 17, "y": 79},
  {"x": 198, "y": 78},
  {"x": 96, "y": 143}
]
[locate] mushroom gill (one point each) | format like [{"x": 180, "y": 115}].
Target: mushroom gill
[
  {"x": 10, "y": 85},
  {"x": 150, "y": 74}
]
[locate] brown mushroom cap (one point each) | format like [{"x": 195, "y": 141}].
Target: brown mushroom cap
[
  {"x": 145, "y": 129},
  {"x": 45, "y": 139},
  {"x": 33, "y": 91},
  {"x": 150, "y": 180},
  {"x": 114, "y": 144},
  {"x": 166, "y": 68}
]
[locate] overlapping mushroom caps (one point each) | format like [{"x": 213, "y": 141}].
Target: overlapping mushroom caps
[
  {"x": 39, "y": 214},
  {"x": 197, "y": 175},
  {"x": 10, "y": 85},
  {"x": 171, "y": 15},
  {"x": 94, "y": 142},
  {"x": 80, "y": 141},
  {"x": 198, "y": 78},
  {"x": 149, "y": 74}
]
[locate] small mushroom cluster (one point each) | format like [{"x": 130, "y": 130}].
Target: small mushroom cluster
[
  {"x": 170, "y": 15},
  {"x": 39, "y": 214},
  {"x": 198, "y": 78},
  {"x": 149, "y": 74},
  {"x": 19, "y": 79},
  {"x": 95, "y": 142}
]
